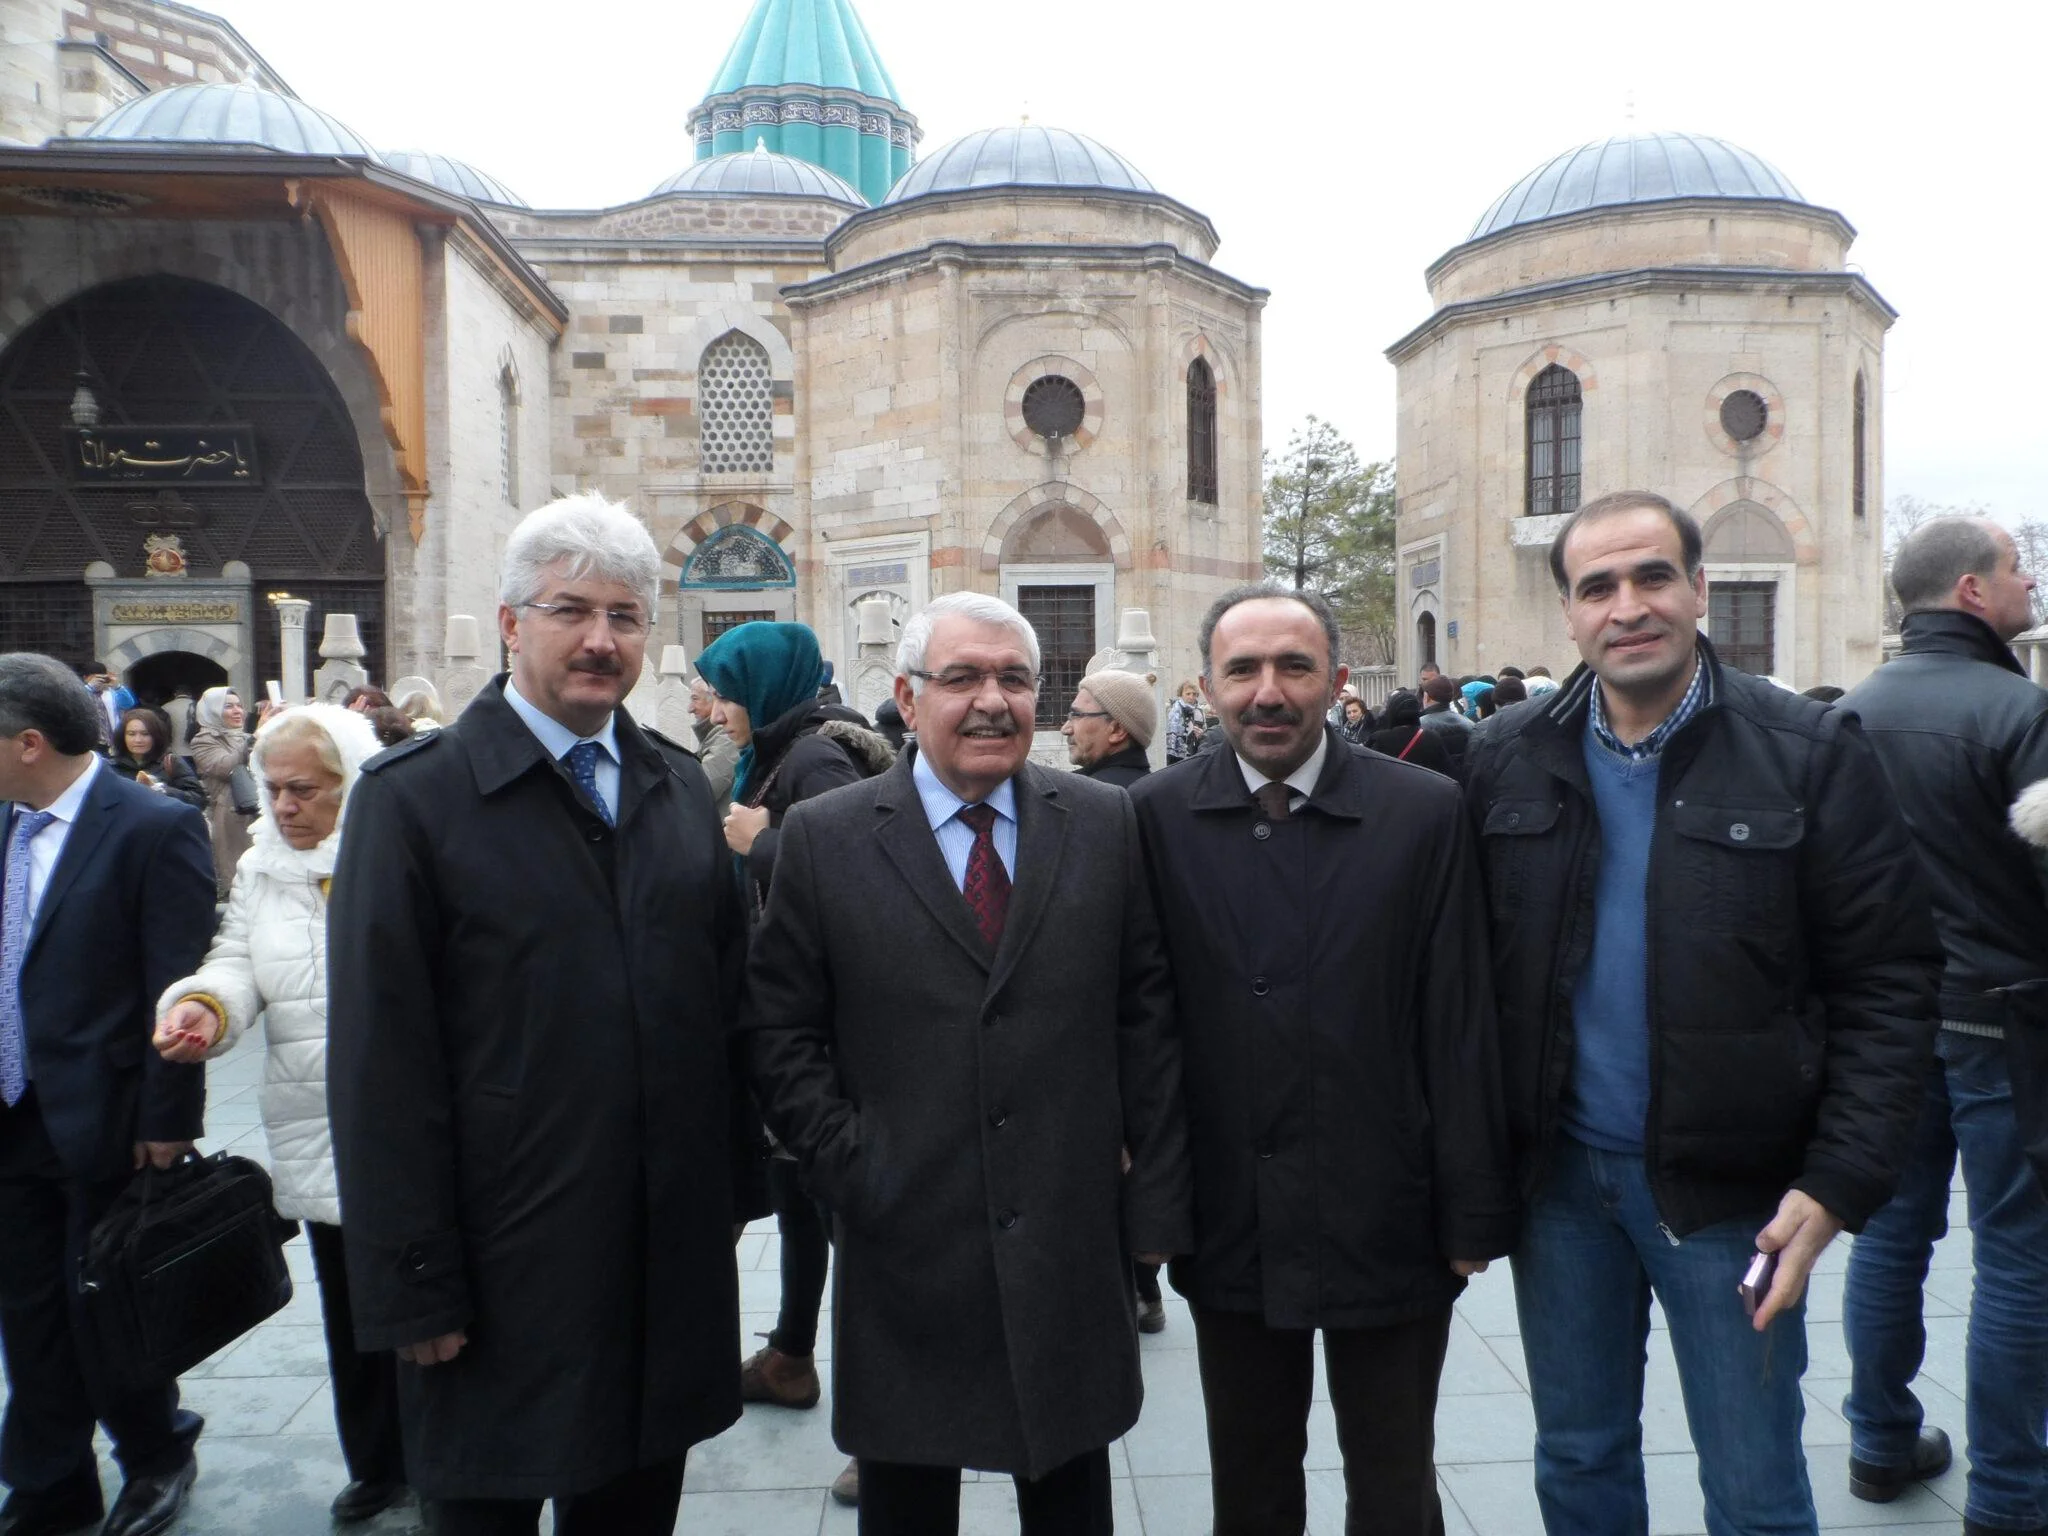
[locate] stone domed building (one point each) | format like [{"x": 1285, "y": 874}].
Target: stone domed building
[
  {"x": 1664, "y": 312},
  {"x": 825, "y": 370}
]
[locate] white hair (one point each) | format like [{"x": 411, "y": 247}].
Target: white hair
[
  {"x": 976, "y": 606},
  {"x": 596, "y": 539}
]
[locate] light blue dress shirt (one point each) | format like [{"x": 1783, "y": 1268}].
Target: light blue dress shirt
[
  {"x": 956, "y": 839},
  {"x": 556, "y": 739}
]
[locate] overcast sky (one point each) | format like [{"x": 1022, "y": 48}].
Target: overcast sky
[{"x": 1340, "y": 148}]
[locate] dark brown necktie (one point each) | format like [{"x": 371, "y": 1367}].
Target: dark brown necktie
[
  {"x": 1273, "y": 797},
  {"x": 987, "y": 887}
]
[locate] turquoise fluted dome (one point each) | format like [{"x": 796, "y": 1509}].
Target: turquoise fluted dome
[{"x": 804, "y": 42}]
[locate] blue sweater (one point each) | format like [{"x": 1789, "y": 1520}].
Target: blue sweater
[{"x": 1607, "y": 1098}]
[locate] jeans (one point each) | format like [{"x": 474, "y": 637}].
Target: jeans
[
  {"x": 1592, "y": 1254},
  {"x": 1969, "y": 1110}
]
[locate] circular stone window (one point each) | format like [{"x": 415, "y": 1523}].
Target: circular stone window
[
  {"x": 1054, "y": 407},
  {"x": 1743, "y": 415}
]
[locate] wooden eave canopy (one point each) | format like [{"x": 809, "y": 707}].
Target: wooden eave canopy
[{"x": 372, "y": 219}]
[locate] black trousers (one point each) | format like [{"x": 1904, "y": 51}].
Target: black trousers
[
  {"x": 1070, "y": 1500},
  {"x": 642, "y": 1503},
  {"x": 806, "y": 1254},
  {"x": 365, "y": 1385},
  {"x": 1256, "y": 1386},
  {"x": 1146, "y": 1277},
  {"x": 53, "y": 1400}
]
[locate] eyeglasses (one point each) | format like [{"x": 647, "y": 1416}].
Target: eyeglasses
[
  {"x": 1088, "y": 714},
  {"x": 625, "y": 622},
  {"x": 965, "y": 682}
]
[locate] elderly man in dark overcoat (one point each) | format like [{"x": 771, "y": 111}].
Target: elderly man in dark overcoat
[
  {"x": 960, "y": 1022},
  {"x": 536, "y": 952},
  {"x": 1349, "y": 1140}
]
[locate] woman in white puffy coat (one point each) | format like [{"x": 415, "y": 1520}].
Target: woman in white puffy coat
[{"x": 269, "y": 961}]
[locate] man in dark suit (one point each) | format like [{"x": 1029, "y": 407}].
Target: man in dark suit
[
  {"x": 960, "y": 1021},
  {"x": 1350, "y": 1142},
  {"x": 107, "y": 898}
]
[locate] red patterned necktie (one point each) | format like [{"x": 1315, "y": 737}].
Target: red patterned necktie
[{"x": 987, "y": 887}]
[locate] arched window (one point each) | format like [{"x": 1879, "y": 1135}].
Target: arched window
[
  {"x": 1425, "y": 640},
  {"x": 1554, "y": 442},
  {"x": 735, "y": 408},
  {"x": 1201, "y": 433},
  {"x": 739, "y": 557},
  {"x": 1859, "y": 451},
  {"x": 508, "y": 437}
]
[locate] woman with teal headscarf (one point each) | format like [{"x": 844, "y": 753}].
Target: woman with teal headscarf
[{"x": 793, "y": 745}]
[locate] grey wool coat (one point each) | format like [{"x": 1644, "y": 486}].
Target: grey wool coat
[{"x": 963, "y": 1114}]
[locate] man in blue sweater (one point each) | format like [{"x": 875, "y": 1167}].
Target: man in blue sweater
[{"x": 1716, "y": 971}]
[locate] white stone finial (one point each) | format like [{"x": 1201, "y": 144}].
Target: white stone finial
[
  {"x": 1134, "y": 631},
  {"x": 675, "y": 661},
  {"x": 464, "y": 639},
  {"x": 875, "y": 623},
  {"x": 342, "y": 639}
]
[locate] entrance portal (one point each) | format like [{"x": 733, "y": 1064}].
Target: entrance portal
[{"x": 154, "y": 679}]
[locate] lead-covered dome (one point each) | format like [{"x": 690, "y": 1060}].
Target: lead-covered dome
[
  {"x": 1636, "y": 168},
  {"x": 229, "y": 115},
  {"x": 760, "y": 173},
  {"x": 1025, "y": 156},
  {"x": 452, "y": 175}
]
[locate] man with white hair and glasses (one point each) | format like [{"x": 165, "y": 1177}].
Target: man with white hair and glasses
[
  {"x": 536, "y": 950},
  {"x": 960, "y": 1022}
]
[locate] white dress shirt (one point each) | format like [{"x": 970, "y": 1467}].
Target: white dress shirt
[
  {"x": 956, "y": 839},
  {"x": 47, "y": 846},
  {"x": 1300, "y": 783},
  {"x": 556, "y": 739}
]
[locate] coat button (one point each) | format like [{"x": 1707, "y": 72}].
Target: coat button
[
  {"x": 1006, "y": 1219},
  {"x": 1514, "y": 818},
  {"x": 413, "y": 1258},
  {"x": 998, "y": 1119},
  {"x": 1263, "y": 1148},
  {"x": 992, "y": 1020},
  {"x": 1739, "y": 832},
  {"x": 1260, "y": 986},
  {"x": 1261, "y": 831},
  {"x": 597, "y": 834}
]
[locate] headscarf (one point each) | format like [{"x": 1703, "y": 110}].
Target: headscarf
[
  {"x": 210, "y": 709},
  {"x": 767, "y": 669},
  {"x": 355, "y": 743}
]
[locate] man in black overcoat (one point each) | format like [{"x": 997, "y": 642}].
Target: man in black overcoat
[
  {"x": 536, "y": 950},
  {"x": 960, "y": 1021},
  {"x": 1323, "y": 914},
  {"x": 108, "y": 899}
]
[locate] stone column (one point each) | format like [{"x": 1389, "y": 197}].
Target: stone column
[
  {"x": 465, "y": 675},
  {"x": 874, "y": 670},
  {"x": 1137, "y": 650},
  {"x": 341, "y": 658},
  {"x": 291, "y": 646}
]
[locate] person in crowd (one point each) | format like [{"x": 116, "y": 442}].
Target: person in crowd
[
  {"x": 1428, "y": 670},
  {"x": 1185, "y": 722},
  {"x": 1961, "y": 731},
  {"x": 804, "y": 746},
  {"x": 535, "y": 953},
  {"x": 1509, "y": 690},
  {"x": 1108, "y": 730},
  {"x": 145, "y": 756},
  {"x": 389, "y": 725},
  {"x": 1401, "y": 734},
  {"x": 1477, "y": 699},
  {"x": 1825, "y": 693},
  {"x": 1509, "y": 672},
  {"x": 1716, "y": 966},
  {"x": 1285, "y": 868},
  {"x": 363, "y": 698},
  {"x": 960, "y": 1019},
  {"x": 106, "y": 894},
  {"x": 113, "y": 699},
  {"x": 1357, "y": 725},
  {"x": 889, "y": 721},
  {"x": 1536, "y": 672},
  {"x": 1452, "y": 730},
  {"x": 1540, "y": 683},
  {"x": 717, "y": 752},
  {"x": 269, "y": 961},
  {"x": 220, "y": 745},
  {"x": 1110, "y": 727},
  {"x": 1346, "y": 697},
  {"x": 421, "y": 706}
]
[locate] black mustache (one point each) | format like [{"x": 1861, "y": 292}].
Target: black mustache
[
  {"x": 598, "y": 668},
  {"x": 1274, "y": 714}
]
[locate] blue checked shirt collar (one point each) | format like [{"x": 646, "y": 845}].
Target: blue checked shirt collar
[{"x": 1697, "y": 697}]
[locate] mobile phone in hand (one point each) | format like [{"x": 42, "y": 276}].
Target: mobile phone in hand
[{"x": 1756, "y": 1281}]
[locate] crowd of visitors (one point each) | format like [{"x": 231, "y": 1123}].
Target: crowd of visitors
[{"x": 1675, "y": 975}]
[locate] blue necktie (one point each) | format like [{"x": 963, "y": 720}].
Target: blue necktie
[
  {"x": 13, "y": 949},
  {"x": 582, "y": 764}
]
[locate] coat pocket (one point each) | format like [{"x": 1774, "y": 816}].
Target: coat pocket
[
  {"x": 1513, "y": 850},
  {"x": 1738, "y": 865}
]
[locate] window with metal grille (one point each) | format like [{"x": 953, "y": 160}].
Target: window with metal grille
[
  {"x": 1064, "y": 618},
  {"x": 716, "y": 624},
  {"x": 1054, "y": 406},
  {"x": 1201, "y": 433},
  {"x": 1858, "y": 490},
  {"x": 1742, "y": 616},
  {"x": 735, "y": 407},
  {"x": 508, "y": 437},
  {"x": 53, "y": 617},
  {"x": 1553, "y": 417}
]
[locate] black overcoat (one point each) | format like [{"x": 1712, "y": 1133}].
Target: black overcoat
[
  {"x": 1343, "y": 1069},
  {"x": 963, "y": 1111},
  {"x": 529, "y": 1074}
]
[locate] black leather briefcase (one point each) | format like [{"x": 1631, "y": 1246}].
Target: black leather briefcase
[{"x": 186, "y": 1261}]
